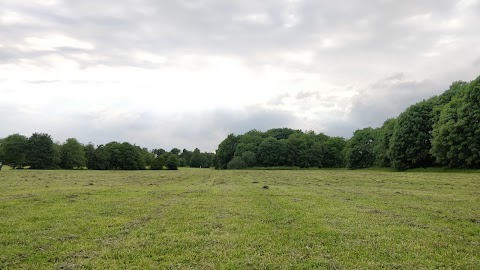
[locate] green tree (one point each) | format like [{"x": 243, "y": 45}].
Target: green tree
[
  {"x": 172, "y": 162},
  {"x": 249, "y": 141},
  {"x": 209, "y": 159},
  {"x": 456, "y": 135},
  {"x": 101, "y": 159},
  {"x": 132, "y": 158},
  {"x": 280, "y": 133},
  {"x": 147, "y": 157},
  {"x": 411, "y": 138},
  {"x": 159, "y": 151},
  {"x": 382, "y": 147},
  {"x": 41, "y": 151},
  {"x": 197, "y": 161},
  {"x": 304, "y": 150},
  {"x": 158, "y": 163},
  {"x": 226, "y": 151},
  {"x": 14, "y": 151},
  {"x": 72, "y": 155},
  {"x": 456, "y": 89},
  {"x": 90, "y": 155},
  {"x": 186, "y": 155},
  {"x": 272, "y": 152},
  {"x": 359, "y": 149},
  {"x": 119, "y": 156},
  {"x": 175, "y": 151},
  {"x": 249, "y": 158},
  {"x": 236, "y": 163},
  {"x": 57, "y": 155},
  {"x": 333, "y": 154}
]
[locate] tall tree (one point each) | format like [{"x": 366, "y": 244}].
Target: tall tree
[
  {"x": 411, "y": 138},
  {"x": 333, "y": 155},
  {"x": 382, "y": 147},
  {"x": 101, "y": 159},
  {"x": 90, "y": 155},
  {"x": 175, "y": 151},
  {"x": 172, "y": 162},
  {"x": 359, "y": 149},
  {"x": 186, "y": 155},
  {"x": 41, "y": 151},
  {"x": 158, "y": 163},
  {"x": 72, "y": 155},
  {"x": 226, "y": 151},
  {"x": 456, "y": 135},
  {"x": 196, "y": 161}
]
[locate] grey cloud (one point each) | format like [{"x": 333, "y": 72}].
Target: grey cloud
[
  {"x": 278, "y": 100},
  {"x": 387, "y": 98},
  {"x": 476, "y": 63},
  {"x": 215, "y": 125},
  {"x": 149, "y": 129},
  {"x": 366, "y": 31},
  {"x": 307, "y": 94}
]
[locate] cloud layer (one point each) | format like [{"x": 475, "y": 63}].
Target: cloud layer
[{"x": 186, "y": 73}]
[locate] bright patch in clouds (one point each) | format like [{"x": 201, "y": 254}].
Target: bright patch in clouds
[{"x": 54, "y": 41}]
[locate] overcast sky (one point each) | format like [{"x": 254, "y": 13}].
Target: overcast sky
[{"x": 186, "y": 73}]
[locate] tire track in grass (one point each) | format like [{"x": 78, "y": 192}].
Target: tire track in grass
[
  {"x": 276, "y": 232},
  {"x": 108, "y": 244}
]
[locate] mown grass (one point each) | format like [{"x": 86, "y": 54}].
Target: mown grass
[{"x": 207, "y": 219}]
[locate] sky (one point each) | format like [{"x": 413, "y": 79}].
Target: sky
[{"x": 186, "y": 73}]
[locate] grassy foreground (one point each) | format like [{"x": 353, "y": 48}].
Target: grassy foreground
[{"x": 207, "y": 219}]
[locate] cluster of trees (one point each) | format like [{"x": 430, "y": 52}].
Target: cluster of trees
[
  {"x": 441, "y": 131},
  {"x": 280, "y": 147},
  {"x": 39, "y": 151}
]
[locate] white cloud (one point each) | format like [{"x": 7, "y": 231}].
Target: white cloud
[{"x": 53, "y": 41}]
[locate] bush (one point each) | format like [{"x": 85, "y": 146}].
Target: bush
[
  {"x": 172, "y": 162},
  {"x": 236, "y": 163},
  {"x": 157, "y": 163}
]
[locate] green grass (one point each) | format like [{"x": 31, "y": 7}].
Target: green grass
[{"x": 207, "y": 219}]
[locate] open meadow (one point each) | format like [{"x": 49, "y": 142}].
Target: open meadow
[{"x": 208, "y": 219}]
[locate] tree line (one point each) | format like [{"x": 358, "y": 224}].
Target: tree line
[
  {"x": 39, "y": 151},
  {"x": 280, "y": 147},
  {"x": 441, "y": 131}
]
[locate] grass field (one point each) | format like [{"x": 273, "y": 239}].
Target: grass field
[{"x": 207, "y": 219}]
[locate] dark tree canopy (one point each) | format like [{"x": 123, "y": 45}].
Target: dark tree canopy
[
  {"x": 158, "y": 163},
  {"x": 411, "y": 138},
  {"x": 226, "y": 151},
  {"x": 197, "y": 160},
  {"x": 13, "y": 151},
  {"x": 281, "y": 147},
  {"x": 382, "y": 146},
  {"x": 359, "y": 151},
  {"x": 41, "y": 151},
  {"x": 72, "y": 155},
  {"x": 272, "y": 152},
  {"x": 456, "y": 134},
  {"x": 172, "y": 162}
]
